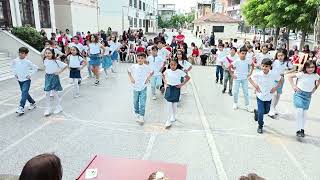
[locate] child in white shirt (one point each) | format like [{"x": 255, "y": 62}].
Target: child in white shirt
[
  {"x": 262, "y": 55},
  {"x": 186, "y": 67},
  {"x": 307, "y": 83},
  {"x": 76, "y": 63},
  {"x": 281, "y": 66},
  {"x": 23, "y": 69},
  {"x": 53, "y": 68},
  {"x": 221, "y": 55},
  {"x": 263, "y": 81},
  {"x": 227, "y": 75},
  {"x": 172, "y": 79},
  {"x": 239, "y": 70},
  {"x": 157, "y": 64},
  {"x": 139, "y": 75}
]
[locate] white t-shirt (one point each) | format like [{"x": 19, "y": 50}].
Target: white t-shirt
[
  {"x": 265, "y": 82},
  {"x": 306, "y": 82},
  {"x": 164, "y": 53},
  {"x": 156, "y": 63},
  {"x": 221, "y": 55},
  {"x": 94, "y": 48},
  {"x": 241, "y": 68},
  {"x": 249, "y": 55},
  {"x": 53, "y": 66},
  {"x": 140, "y": 74},
  {"x": 185, "y": 64},
  {"x": 261, "y": 56},
  {"x": 75, "y": 61},
  {"x": 23, "y": 68},
  {"x": 206, "y": 50},
  {"x": 174, "y": 77},
  {"x": 114, "y": 46},
  {"x": 79, "y": 46},
  {"x": 107, "y": 51},
  {"x": 279, "y": 67}
]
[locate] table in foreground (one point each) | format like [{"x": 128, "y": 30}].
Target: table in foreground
[{"x": 110, "y": 168}]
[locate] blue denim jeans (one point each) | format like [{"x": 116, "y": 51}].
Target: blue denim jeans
[
  {"x": 24, "y": 87},
  {"x": 156, "y": 82},
  {"x": 139, "y": 101},
  {"x": 263, "y": 108},
  {"x": 219, "y": 71},
  {"x": 245, "y": 89},
  {"x": 89, "y": 70}
]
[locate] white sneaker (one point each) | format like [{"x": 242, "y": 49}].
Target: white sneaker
[
  {"x": 20, "y": 110},
  {"x": 168, "y": 124},
  {"x": 76, "y": 95},
  {"x": 249, "y": 109},
  {"x": 32, "y": 106},
  {"x": 173, "y": 119},
  {"x": 58, "y": 110},
  {"x": 51, "y": 93},
  {"x": 235, "y": 106},
  {"x": 154, "y": 98},
  {"x": 184, "y": 92},
  {"x": 140, "y": 120},
  {"x": 271, "y": 113},
  {"x": 47, "y": 112}
]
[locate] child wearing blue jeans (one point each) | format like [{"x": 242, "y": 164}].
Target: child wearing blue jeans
[
  {"x": 22, "y": 69},
  {"x": 239, "y": 70},
  {"x": 263, "y": 82},
  {"x": 139, "y": 75}
]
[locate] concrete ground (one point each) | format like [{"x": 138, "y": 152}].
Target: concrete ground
[{"x": 214, "y": 141}]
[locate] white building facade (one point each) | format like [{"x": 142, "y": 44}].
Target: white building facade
[
  {"x": 166, "y": 11},
  {"x": 121, "y": 15},
  {"x": 37, "y": 13}
]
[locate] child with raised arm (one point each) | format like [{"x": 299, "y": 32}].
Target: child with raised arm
[
  {"x": 263, "y": 82},
  {"x": 139, "y": 75}
]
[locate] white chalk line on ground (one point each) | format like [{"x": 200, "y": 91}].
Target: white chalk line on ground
[
  {"x": 290, "y": 155},
  {"x": 150, "y": 146},
  {"x": 211, "y": 142},
  {"x": 24, "y": 138}
]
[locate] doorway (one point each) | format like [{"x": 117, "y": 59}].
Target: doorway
[
  {"x": 147, "y": 25},
  {"x": 5, "y": 14}
]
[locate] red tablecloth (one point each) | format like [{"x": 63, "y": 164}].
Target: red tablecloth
[{"x": 110, "y": 168}]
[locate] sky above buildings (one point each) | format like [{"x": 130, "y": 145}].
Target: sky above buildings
[{"x": 183, "y": 5}]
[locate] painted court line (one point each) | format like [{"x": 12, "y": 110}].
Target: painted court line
[
  {"x": 150, "y": 146},
  {"x": 211, "y": 142},
  {"x": 24, "y": 138},
  {"x": 291, "y": 156}
]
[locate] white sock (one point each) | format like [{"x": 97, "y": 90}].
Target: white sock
[
  {"x": 299, "y": 118},
  {"x": 57, "y": 98},
  {"x": 170, "y": 109},
  {"x": 48, "y": 103},
  {"x": 174, "y": 110},
  {"x": 76, "y": 88}
]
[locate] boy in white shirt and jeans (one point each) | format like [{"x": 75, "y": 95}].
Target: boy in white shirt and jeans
[
  {"x": 22, "y": 69},
  {"x": 157, "y": 64},
  {"x": 263, "y": 82},
  {"x": 239, "y": 70},
  {"x": 139, "y": 75}
]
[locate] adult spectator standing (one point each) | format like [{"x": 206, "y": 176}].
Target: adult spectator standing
[
  {"x": 180, "y": 37},
  {"x": 88, "y": 36},
  {"x": 212, "y": 39},
  {"x": 103, "y": 35},
  {"x": 109, "y": 31},
  {"x": 68, "y": 34}
]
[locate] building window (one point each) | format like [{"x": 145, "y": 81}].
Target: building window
[
  {"x": 135, "y": 22},
  {"x": 26, "y": 12},
  {"x": 151, "y": 24},
  {"x": 140, "y": 4},
  {"x": 44, "y": 11},
  {"x": 131, "y": 21},
  {"x": 130, "y": 3},
  {"x": 218, "y": 28},
  {"x": 163, "y": 6},
  {"x": 144, "y": 7},
  {"x": 144, "y": 23},
  {"x": 5, "y": 14},
  {"x": 140, "y": 23},
  {"x": 135, "y": 3}
]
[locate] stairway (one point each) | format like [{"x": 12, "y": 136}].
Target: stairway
[{"x": 5, "y": 62}]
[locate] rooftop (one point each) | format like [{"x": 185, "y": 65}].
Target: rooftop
[{"x": 216, "y": 17}]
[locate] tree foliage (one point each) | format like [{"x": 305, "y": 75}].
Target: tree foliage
[
  {"x": 176, "y": 21},
  {"x": 29, "y": 35}
]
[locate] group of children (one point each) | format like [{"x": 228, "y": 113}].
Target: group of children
[
  {"x": 153, "y": 68},
  {"x": 266, "y": 75},
  {"x": 234, "y": 68}
]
